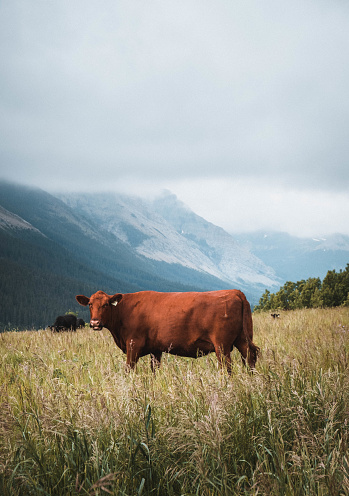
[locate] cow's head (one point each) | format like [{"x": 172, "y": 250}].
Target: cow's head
[{"x": 101, "y": 307}]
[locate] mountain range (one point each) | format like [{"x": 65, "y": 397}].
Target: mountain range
[
  {"x": 53, "y": 247},
  {"x": 294, "y": 258},
  {"x": 166, "y": 230}
]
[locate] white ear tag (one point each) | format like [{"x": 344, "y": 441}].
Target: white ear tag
[{"x": 114, "y": 303}]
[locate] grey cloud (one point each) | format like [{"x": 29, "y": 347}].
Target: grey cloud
[{"x": 175, "y": 91}]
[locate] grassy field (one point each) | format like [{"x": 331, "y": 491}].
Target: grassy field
[{"x": 72, "y": 422}]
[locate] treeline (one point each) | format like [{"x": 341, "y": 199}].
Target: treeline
[
  {"x": 32, "y": 299},
  {"x": 333, "y": 291}
]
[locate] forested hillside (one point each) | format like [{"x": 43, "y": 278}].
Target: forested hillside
[
  {"x": 333, "y": 291},
  {"x": 39, "y": 280}
]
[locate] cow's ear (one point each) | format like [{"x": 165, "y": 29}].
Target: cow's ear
[
  {"x": 114, "y": 300},
  {"x": 83, "y": 300}
]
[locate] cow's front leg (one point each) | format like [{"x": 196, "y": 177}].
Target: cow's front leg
[{"x": 132, "y": 354}]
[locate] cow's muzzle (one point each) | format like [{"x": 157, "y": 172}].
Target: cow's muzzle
[{"x": 96, "y": 325}]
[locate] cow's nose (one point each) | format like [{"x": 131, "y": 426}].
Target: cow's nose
[{"x": 96, "y": 324}]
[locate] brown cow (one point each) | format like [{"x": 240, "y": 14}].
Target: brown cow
[{"x": 184, "y": 324}]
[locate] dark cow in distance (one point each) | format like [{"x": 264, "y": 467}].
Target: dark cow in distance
[
  {"x": 64, "y": 323},
  {"x": 80, "y": 324},
  {"x": 185, "y": 324}
]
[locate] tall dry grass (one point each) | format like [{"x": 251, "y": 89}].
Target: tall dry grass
[{"x": 74, "y": 423}]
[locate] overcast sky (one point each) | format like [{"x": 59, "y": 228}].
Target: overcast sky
[{"x": 240, "y": 107}]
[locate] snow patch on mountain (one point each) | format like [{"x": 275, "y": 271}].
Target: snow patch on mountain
[
  {"x": 11, "y": 221},
  {"x": 332, "y": 242}
]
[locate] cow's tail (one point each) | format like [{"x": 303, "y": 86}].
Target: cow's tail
[{"x": 253, "y": 350}]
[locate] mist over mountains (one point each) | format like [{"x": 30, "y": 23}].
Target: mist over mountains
[{"x": 53, "y": 247}]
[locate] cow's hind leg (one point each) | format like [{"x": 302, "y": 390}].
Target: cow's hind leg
[{"x": 247, "y": 351}]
